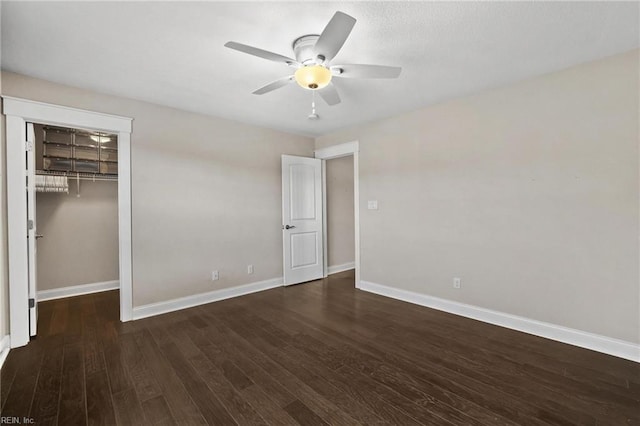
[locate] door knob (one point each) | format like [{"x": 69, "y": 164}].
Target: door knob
[
  {"x": 289, "y": 227},
  {"x": 38, "y": 236}
]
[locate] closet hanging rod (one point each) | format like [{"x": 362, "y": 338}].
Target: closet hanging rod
[{"x": 81, "y": 176}]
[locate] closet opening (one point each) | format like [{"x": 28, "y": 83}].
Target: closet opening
[
  {"x": 340, "y": 218},
  {"x": 341, "y": 195},
  {"x": 73, "y": 203}
]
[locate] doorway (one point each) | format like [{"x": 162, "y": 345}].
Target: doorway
[
  {"x": 18, "y": 113},
  {"x": 340, "y": 221},
  {"x": 344, "y": 152},
  {"x": 75, "y": 217}
]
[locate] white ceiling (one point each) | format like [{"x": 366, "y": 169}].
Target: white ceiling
[{"x": 172, "y": 53}]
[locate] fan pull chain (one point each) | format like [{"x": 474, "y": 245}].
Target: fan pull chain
[
  {"x": 313, "y": 115},
  {"x": 313, "y": 102}
]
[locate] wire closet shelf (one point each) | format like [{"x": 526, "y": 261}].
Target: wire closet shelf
[{"x": 78, "y": 175}]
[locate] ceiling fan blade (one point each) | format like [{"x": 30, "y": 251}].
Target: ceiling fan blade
[
  {"x": 274, "y": 85},
  {"x": 334, "y": 35},
  {"x": 330, "y": 95},
  {"x": 260, "y": 53},
  {"x": 365, "y": 71}
]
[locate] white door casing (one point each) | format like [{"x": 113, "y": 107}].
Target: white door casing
[
  {"x": 17, "y": 230},
  {"x": 31, "y": 228},
  {"x": 302, "y": 223}
]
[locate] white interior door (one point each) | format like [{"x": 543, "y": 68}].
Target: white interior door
[
  {"x": 31, "y": 228},
  {"x": 302, "y": 219}
]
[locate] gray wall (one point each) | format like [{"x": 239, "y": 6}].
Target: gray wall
[
  {"x": 206, "y": 192},
  {"x": 340, "y": 219},
  {"x": 80, "y": 243},
  {"x": 529, "y": 193}
]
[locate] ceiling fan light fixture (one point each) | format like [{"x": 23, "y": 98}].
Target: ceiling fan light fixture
[{"x": 313, "y": 77}]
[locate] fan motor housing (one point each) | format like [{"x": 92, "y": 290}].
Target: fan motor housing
[{"x": 303, "y": 49}]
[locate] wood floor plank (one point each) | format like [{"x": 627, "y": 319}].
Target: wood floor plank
[
  {"x": 92, "y": 348},
  {"x": 157, "y": 411},
  {"x": 142, "y": 377},
  {"x": 47, "y": 392},
  {"x": 231, "y": 399},
  {"x": 208, "y": 403},
  {"x": 128, "y": 409},
  {"x": 303, "y": 415},
  {"x": 45, "y": 313},
  {"x": 28, "y": 364},
  {"x": 72, "y": 409},
  {"x": 99, "y": 405},
  {"x": 6, "y": 380},
  {"x": 73, "y": 329},
  {"x": 183, "y": 408},
  {"x": 116, "y": 369},
  {"x": 266, "y": 407},
  {"x": 60, "y": 316}
]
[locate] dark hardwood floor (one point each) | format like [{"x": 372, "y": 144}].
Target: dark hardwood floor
[{"x": 313, "y": 354}]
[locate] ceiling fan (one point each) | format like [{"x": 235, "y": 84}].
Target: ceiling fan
[{"x": 313, "y": 60}]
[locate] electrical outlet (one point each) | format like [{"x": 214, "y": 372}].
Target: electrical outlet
[
  {"x": 215, "y": 276},
  {"x": 250, "y": 269},
  {"x": 456, "y": 282}
]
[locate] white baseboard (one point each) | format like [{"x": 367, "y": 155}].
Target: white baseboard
[
  {"x": 5, "y": 346},
  {"x": 159, "y": 308},
  {"x": 583, "y": 339},
  {"x": 77, "y": 290},
  {"x": 341, "y": 268}
]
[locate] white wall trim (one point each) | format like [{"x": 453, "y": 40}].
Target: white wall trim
[
  {"x": 325, "y": 228},
  {"x": 19, "y": 112},
  {"x": 5, "y": 347},
  {"x": 337, "y": 151},
  {"x": 583, "y": 339},
  {"x": 164, "y": 307},
  {"x": 17, "y": 252},
  {"x": 55, "y": 114},
  {"x": 342, "y": 267},
  {"x": 77, "y": 290}
]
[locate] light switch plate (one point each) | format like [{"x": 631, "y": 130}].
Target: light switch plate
[{"x": 372, "y": 204}]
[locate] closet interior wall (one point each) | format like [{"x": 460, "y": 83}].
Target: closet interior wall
[{"x": 340, "y": 214}]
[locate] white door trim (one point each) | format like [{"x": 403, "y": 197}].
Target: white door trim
[
  {"x": 19, "y": 112},
  {"x": 337, "y": 151},
  {"x": 31, "y": 231},
  {"x": 325, "y": 245}
]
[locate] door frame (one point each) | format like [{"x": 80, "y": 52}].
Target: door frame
[
  {"x": 329, "y": 153},
  {"x": 18, "y": 112}
]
